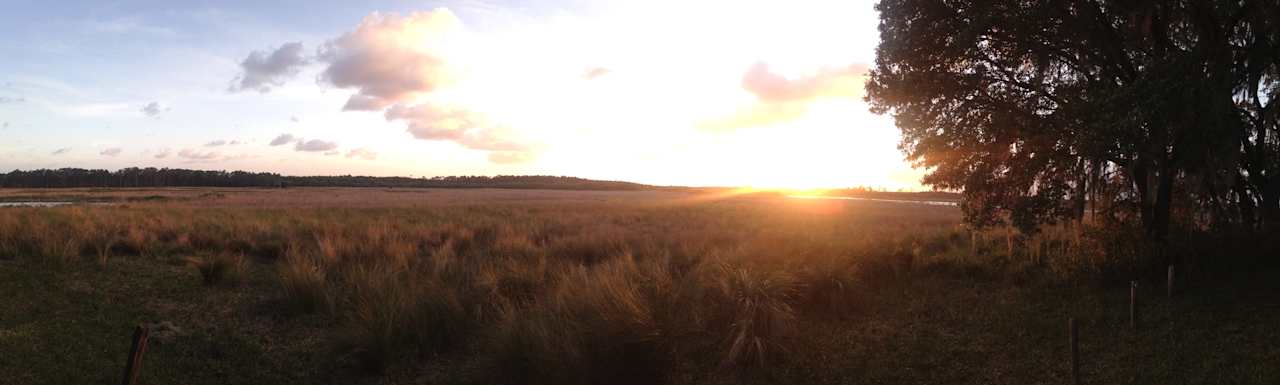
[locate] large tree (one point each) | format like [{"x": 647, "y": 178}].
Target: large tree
[{"x": 1032, "y": 107}]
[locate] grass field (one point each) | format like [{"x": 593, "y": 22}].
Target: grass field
[{"x": 560, "y": 287}]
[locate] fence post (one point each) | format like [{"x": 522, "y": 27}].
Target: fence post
[
  {"x": 1074, "y": 331},
  {"x": 134, "y": 365},
  {"x": 1133, "y": 304}
]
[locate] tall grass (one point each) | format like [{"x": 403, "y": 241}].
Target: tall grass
[{"x": 559, "y": 293}]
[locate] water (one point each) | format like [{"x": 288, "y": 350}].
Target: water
[
  {"x": 33, "y": 204},
  {"x": 922, "y": 202}
]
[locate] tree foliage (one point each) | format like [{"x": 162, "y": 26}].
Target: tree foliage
[{"x": 1037, "y": 109}]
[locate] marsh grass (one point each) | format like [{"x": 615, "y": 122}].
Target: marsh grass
[
  {"x": 575, "y": 293},
  {"x": 219, "y": 268}
]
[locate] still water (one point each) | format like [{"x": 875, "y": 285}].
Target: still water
[
  {"x": 922, "y": 202},
  {"x": 33, "y": 204}
]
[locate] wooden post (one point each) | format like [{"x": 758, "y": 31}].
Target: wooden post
[
  {"x": 1170, "y": 289},
  {"x": 1074, "y": 330},
  {"x": 973, "y": 242},
  {"x": 1133, "y": 304},
  {"x": 131, "y": 369},
  {"x": 1008, "y": 240}
]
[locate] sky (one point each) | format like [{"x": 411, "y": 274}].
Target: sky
[{"x": 696, "y": 93}]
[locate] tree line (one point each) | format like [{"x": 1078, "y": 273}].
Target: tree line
[
  {"x": 172, "y": 177},
  {"x": 1157, "y": 112}
]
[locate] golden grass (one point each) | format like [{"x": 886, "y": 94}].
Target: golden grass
[{"x": 556, "y": 292}]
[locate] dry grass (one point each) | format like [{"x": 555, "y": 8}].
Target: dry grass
[
  {"x": 219, "y": 268},
  {"x": 554, "y": 292}
]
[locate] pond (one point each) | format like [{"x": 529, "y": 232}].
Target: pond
[
  {"x": 33, "y": 204},
  {"x": 922, "y": 202}
]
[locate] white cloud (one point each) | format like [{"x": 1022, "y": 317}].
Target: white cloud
[
  {"x": 111, "y": 151},
  {"x": 362, "y": 153},
  {"x": 772, "y": 87},
  {"x": 781, "y": 99},
  {"x": 470, "y": 129},
  {"x": 595, "y": 72},
  {"x": 163, "y": 153},
  {"x": 283, "y": 139},
  {"x": 153, "y": 109},
  {"x": 261, "y": 70},
  {"x": 390, "y": 58},
  {"x": 198, "y": 155},
  {"x": 216, "y": 143},
  {"x": 314, "y": 145},
  {"x": 61, "y": 151}
]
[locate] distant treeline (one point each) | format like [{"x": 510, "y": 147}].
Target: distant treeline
[{"x": 174, "y": 177}]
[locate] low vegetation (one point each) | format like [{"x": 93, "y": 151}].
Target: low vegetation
[{"x": 754, "y": 289}]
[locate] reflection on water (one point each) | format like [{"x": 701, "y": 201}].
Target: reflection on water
[
  {"x": 931, "y": 203},
  {"x": 33, "y": 204}
]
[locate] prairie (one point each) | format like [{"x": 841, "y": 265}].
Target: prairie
[{"x": 350, "y": 285}]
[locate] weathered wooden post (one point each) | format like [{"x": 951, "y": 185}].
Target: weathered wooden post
[
  {"x": 1170, "y": 288},
  {"x": 131, "y": 369},
  {"x": 1074, "y": 330},
  {"x": 1008, "y": 241},
  {"x": 1133, "y": 304}
]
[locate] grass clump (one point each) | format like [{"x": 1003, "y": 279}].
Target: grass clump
[
  {"x": 305, "y": 285},
  {"x": 219, "y": 268}
]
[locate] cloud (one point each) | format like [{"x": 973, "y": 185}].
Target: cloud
[
  {"x": 11, "y": 100},
  {"x": 197, "y": 155},
  {"x": 153, "y": 109},
  {"x": 332, "y": 153},
  {"x": 163, "y": 153},
  {"x": 111, "y": 151},
  {"x": 595, "y": 73},
  {"x": 470, "y": 129},
  {"x": 362, "y": 153},
  {"x": 314, "y": 145},
  {"x": 390, "y": 58},
  {"x": 781, "y": 99},
  {"x": 61, "y": 151},
  {"x": 392, "y": 61},
  {"x": 262, "y": 70},
  {"x": 6, "y": 125},
  {"x": 294, "y": 119},
  {"x": 283, "y": 139},
  {"x": 222, "y": 142},
  {"x": 757, "y": 115},
  {"x": 771, "y": 87}
]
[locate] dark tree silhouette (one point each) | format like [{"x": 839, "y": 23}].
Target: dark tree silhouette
[
  {"x": 168, "y": 177},
  {"x": 1033, "y": 108}
]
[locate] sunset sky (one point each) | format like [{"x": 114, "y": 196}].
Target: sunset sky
[{"x": 764, "y": 94}]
